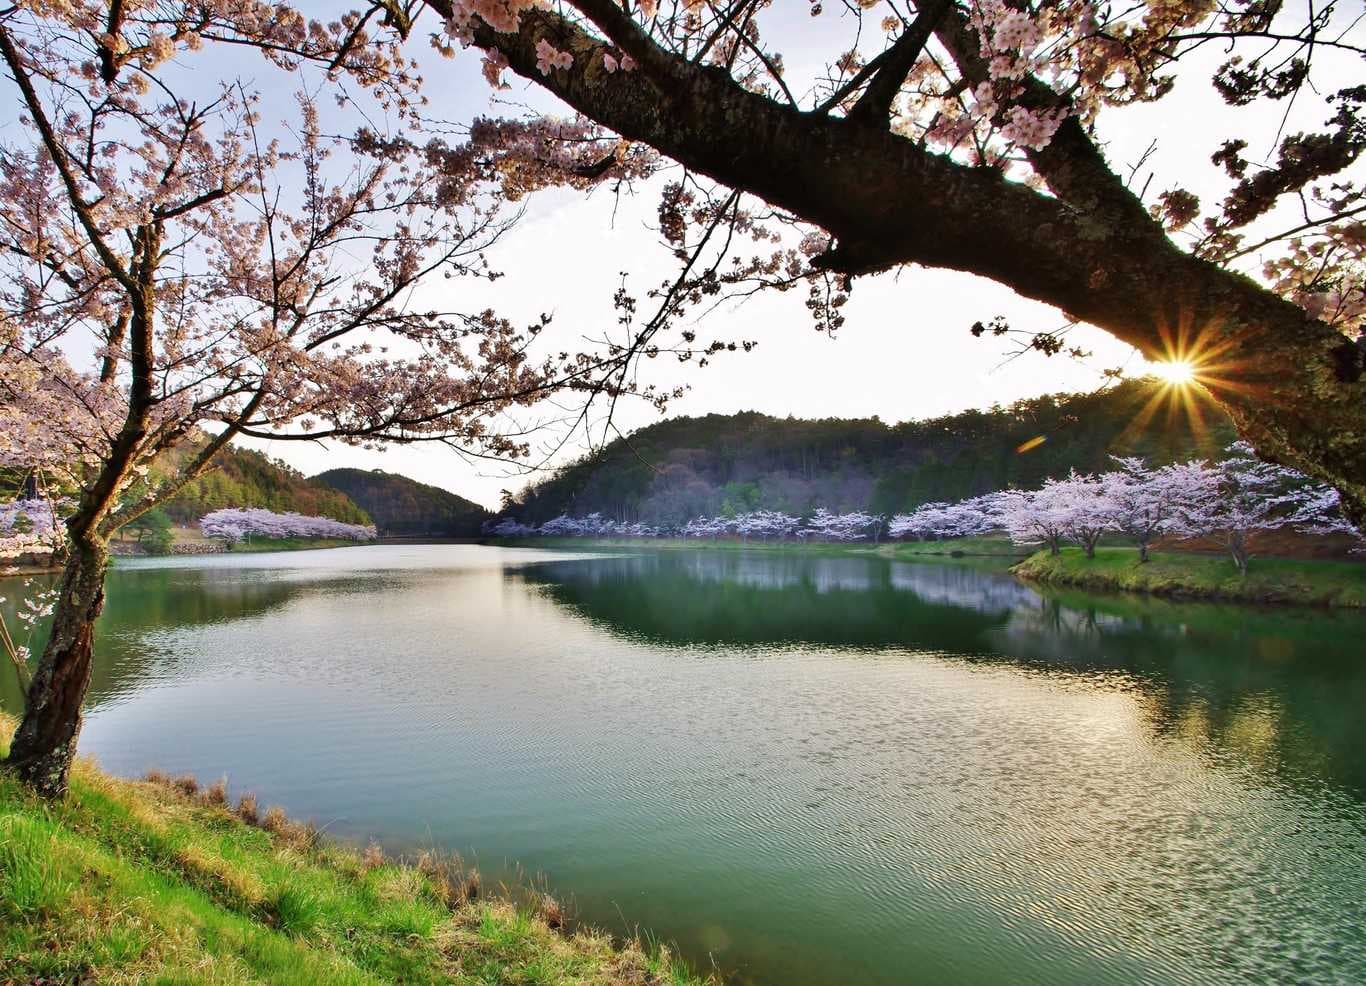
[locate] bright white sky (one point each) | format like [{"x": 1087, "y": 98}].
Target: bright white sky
[{"x": 905, "y": 351}]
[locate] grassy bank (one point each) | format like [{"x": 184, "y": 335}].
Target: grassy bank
[
  {"x": 1194, "y": 576},
  {"x": 161, "y": 881}
]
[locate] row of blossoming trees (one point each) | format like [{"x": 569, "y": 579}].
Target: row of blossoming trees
[
  {"x": 36, "y": 526},
  {"x": 1228, "y": 500},
  {"x": 234, "y": 524}
]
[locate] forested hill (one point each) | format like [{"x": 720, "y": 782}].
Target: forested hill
[
  {"x": 402, "y": 506},
  {"x": 689, "y": 467},
  {"x": 246, "y": 478}
]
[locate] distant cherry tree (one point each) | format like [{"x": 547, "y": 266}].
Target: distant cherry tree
[
  {"x": 1036, "y": 517},
  {"x": 940, "y": 520},
  {"x": 1241, "y": 495},
  {"x": 1086, "y": 517},
  {"x": 1142, "y": 503}
]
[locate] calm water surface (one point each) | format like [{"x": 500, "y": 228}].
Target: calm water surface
[{"x": 807, "y": 770}]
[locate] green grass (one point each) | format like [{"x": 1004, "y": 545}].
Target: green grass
[
  {"x": 159, "y": 882},
  {"x": 1198, "y": 576}
]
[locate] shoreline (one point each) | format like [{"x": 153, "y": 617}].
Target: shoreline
[
  {"x": 969, "y": 550},
  {"x": 1201, "y": 578},
  {"x": 172, "y": 881},
  {"x": 1178, "y": 575}
]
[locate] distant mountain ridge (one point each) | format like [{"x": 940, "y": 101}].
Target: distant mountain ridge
[
  {"x": 403, "y": 507},
  {"x": 678, "y": 469}
]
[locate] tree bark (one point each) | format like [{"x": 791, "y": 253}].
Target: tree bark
[
  {"x": 1294, "y": 386},
  {"x": 1237, "y": 547},
  {"x": 1142, "y": 552},
  {"x": 45, "y": 744}
]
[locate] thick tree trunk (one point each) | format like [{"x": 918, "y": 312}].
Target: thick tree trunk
[
  {"x": 1142, "y": 552},
  {"x": 45, "y": 744}
]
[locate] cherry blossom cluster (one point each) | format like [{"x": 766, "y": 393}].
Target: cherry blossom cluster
[
  {"x": 763, "y": 525},
  {"x": 940, "y": 520},
  {"x": 234, "y": 524},
  {"x": 1227, "y": 500}
]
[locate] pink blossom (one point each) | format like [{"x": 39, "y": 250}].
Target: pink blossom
[{"x": 549, "y": 57}]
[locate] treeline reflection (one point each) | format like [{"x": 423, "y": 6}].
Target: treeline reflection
[
  {"x": 1283, "y": 687},
  {"x": 143, "y": 604}
]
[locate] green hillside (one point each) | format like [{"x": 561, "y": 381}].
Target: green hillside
[
  {"x": 689, "y": 467},
  {"x": 246, "y": 478},
  {"x": 401, "y": 506}
]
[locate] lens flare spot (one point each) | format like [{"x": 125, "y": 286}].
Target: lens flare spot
[{"x": 1175, "y": 373}]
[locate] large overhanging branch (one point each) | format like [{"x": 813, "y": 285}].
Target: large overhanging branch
[{"x": 1292, "y": 383}]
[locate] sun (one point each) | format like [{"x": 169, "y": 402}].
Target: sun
[{"x": 1175, "y": 373}]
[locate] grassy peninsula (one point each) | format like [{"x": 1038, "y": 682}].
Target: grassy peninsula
[
  {"x": 161, "y": 881},
  {"x": 1187, "y": 575}
]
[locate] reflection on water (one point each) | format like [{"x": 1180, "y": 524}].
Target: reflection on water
[{"x": 812, "y": 770}]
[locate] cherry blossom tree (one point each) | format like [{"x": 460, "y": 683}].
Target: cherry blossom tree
[
  {"x": 707, "y": 527},
  {"x": 1080, "y": 501},
  {"x": 766, "y": 525},
  {"x": 509, "y": 527},
  {"x": 1143, "y": 503},
  {"x": 30, "y": 526},
  {"x": 856, "y": 526},
  {"x": 932, "y": 521},
  {"x": 1035, "y": 517},
  {"x": 1242, "y": 494},
  {"x": 231, "y": 269},
  {"x": 963, "y": 134}
]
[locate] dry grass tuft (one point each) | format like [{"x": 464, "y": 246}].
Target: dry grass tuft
[
  {"x": 275, "y": 821},
  {"x": 373, "y": 856},
  {"x": 447, "y": 874},
  {"x": 551, "y": 912},
  {"x": 247, "y": 811},
  {"x": 186, "y": 784},
  {"x": 155, "y": 776},
  {"x": 217, "y": 793},
  {"x": 300, "y": 835}
]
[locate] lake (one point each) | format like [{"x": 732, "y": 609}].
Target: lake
[{"x": 806, "y": 769}]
